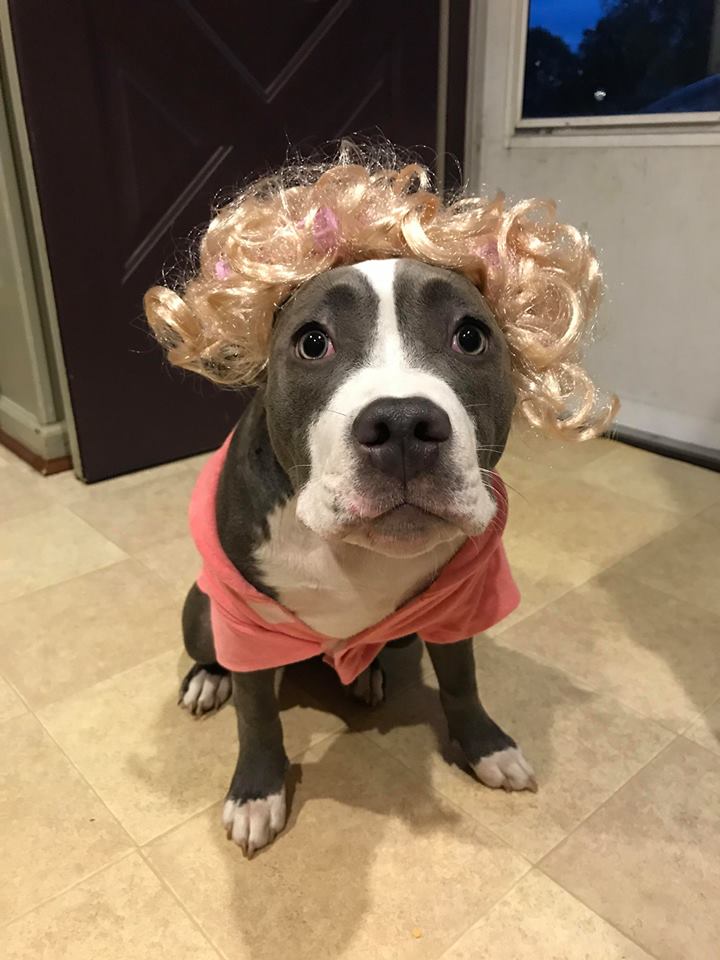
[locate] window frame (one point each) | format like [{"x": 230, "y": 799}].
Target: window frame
[{"x": 705, "y": 121}]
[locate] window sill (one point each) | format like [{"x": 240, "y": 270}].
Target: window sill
[{"x": 657, "y": 135}]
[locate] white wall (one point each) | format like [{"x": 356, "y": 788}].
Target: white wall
[{"x": 651, "y": 203}]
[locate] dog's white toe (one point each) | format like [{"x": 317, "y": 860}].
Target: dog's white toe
[
  {"x": 253, "y": 824},
  {"x": 507, "y": 769},
  {"x": 206, "y": 692}
]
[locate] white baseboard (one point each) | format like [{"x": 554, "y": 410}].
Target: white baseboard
[{"x": 49, "y": 441}]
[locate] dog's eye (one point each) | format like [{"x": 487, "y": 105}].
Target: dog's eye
[
  {"x": 314, "y": 344},
  {"x": 470, "y": 338}
]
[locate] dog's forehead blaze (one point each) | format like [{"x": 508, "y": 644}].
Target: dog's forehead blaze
[{"x": 345, "y": 295}]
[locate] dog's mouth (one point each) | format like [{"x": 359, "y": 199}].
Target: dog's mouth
[
  {"x": 400, "y": 521},
  {"x": 404, "y": 520}
]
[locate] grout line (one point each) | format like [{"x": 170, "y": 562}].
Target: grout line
[
  {"x": 34, "y": 591},
  {"x": 628, "y": 936},
  {"x": 605, "y": 802},
  {"x": 69, "y": 887},
  {"x": 143, "y": 844},
  {"x": 698, "y": 716},
  {"x": 138, "y": 844},
  {"x": 79, "y": 694},
  {"x": 483, "y": 916},
  {"x": 87, "y": 782},
  {"x": 426, "y": 784},
  {"x": 487, "y": 912},
  {"x": 20, "y": 696},
  {"x": 583, "y": 683},
  {"x": 674, "y": 734},
  {"x": 165, "y": 883},
  {"x": 540, "y": 864},
  {"x": 700, "y": 746}
]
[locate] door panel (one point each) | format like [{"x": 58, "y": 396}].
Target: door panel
[{"x": 141, "y": 115}]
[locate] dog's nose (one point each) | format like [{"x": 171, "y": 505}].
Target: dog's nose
[{"x": 401, "y": 436}]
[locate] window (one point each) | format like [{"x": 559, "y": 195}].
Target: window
[{"x": 602, "y": 58}]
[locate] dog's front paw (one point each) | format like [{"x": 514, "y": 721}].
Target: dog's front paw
[
  {"x": 205, "y": 689},
  {"x": 369, "y": 687},
  {"x": 253, "y": 824},
  {"x": 506, "y": 768}
]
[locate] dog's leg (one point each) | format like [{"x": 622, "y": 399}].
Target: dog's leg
[
  {"x": 254, "y": 811},
  {"x": 206, "y": 687},
  {"x": 493, "y": 755}
]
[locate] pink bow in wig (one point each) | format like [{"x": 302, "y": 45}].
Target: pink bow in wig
[
  {"x": 222, "y": 269},
  {"x": 486, "y": 249},
  {"x": 325, "y": 230}
]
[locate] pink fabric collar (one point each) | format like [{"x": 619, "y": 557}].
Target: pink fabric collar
[{"x": 474, "y": 591}]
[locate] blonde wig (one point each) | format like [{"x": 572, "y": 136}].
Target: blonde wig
[{"x": 541, "y": 278}]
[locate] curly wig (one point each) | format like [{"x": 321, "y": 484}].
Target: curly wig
[{"x": 540, "y": 278}]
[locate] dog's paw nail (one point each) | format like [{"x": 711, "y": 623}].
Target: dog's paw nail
[
  {"x": 252, "y": 824},
  {"x": 506, "y": 769},
  {"x": 205, "y": 692}
]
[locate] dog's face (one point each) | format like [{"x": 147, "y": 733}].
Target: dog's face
[{"x": 389, "y": 398}]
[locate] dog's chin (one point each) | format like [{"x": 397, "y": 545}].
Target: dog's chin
[{"x": 403, "y": 531}]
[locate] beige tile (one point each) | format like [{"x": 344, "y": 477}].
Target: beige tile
[
  {"x": 372, "y": 864},
  {"x": 20, "y": 493},
  {"x": 67, "y": 488},
  {"x": 53, "y": 829},
  {"x": 11, "y": 705},
  {"x": 6, "y": 457},
  {"x": 521, "y": 475},
  {"x": 538, "y": 911},
  {"x": 531, "y": 445},
  {"x": 176, "y": 561},
  {"x": 142, "y": 515},
  {"x": 649, "y": 860},
  {"x": 711, "y": 515},
  {"x": 585, "y": 521},
  {"x": 543, "y": 572},
  {"x": 123, "y": 912},
  {"x": 196, "y": 463},
  {"x": 706, "y": 729},
  {"x": 153, "y": 764},
  {"x": 583, "y": 746},
  {"x": 48, "y": 547},
  {"x": 71, "y": 635},
  {"x": 656, "y": 654},
  {"x": 654, "y": 480},
  {"x": 684, "y": 562}
]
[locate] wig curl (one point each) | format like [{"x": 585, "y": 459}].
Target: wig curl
[{"x": 540, "y": 278}]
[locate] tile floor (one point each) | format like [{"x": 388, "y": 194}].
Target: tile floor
[{"x": 609, "y": 675}]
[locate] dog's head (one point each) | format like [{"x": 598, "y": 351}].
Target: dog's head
[
  {"x": 389, "y": 398},
  {"x": 389, "y": 389}
]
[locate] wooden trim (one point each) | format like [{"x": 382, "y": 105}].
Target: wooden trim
[
  {"x": 45, "y": 467},
  {"x": 456, "y": 94}
]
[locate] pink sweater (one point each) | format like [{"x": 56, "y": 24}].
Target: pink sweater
[{"x": 473, "y": 591}]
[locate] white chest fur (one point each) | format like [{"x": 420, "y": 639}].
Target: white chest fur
[{"x": 340, "y": 589}]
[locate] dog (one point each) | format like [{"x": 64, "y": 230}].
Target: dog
[{"x": 363, "y": 465}]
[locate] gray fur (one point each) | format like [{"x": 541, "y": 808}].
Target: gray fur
[{"x": 430, "y": 302}]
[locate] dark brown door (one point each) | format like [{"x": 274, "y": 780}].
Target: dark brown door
[{"x": 141, "y": 114}]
